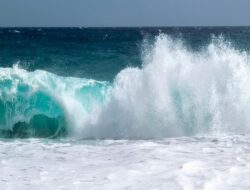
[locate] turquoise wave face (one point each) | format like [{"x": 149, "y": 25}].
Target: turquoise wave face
[{"x": 37, "y": 104}]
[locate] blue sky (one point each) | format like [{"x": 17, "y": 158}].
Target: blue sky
[{"x": 124, "y": 12}]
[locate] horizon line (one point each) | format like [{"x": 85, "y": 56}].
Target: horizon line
[{"x": 170, "y": 26}]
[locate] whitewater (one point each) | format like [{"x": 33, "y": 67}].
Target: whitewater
[{"x": 180, "y": 121}]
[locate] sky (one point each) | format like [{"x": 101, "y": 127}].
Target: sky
[{"x": 108, "y": 13}]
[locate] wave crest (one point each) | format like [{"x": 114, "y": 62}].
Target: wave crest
[{"x": 179, "y": 92}]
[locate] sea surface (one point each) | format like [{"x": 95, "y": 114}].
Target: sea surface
[{"x": 125, "y": 108}]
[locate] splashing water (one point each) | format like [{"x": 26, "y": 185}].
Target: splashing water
[{"x": 177, "y": 92}]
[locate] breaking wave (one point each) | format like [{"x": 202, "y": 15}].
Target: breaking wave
[{"x": 177, "y": 92}]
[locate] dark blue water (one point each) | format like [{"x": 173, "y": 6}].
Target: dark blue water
[{"x": 98, "y": 53}]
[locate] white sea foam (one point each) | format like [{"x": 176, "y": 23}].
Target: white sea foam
[{"x": 190, "y": 163}]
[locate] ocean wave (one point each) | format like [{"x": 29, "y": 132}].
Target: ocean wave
[
  {"x": 177, "y": 92},
  {"x": 30, "y": 100}
]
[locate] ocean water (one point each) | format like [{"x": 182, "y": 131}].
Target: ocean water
[{"x": 125, "y": 108}]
